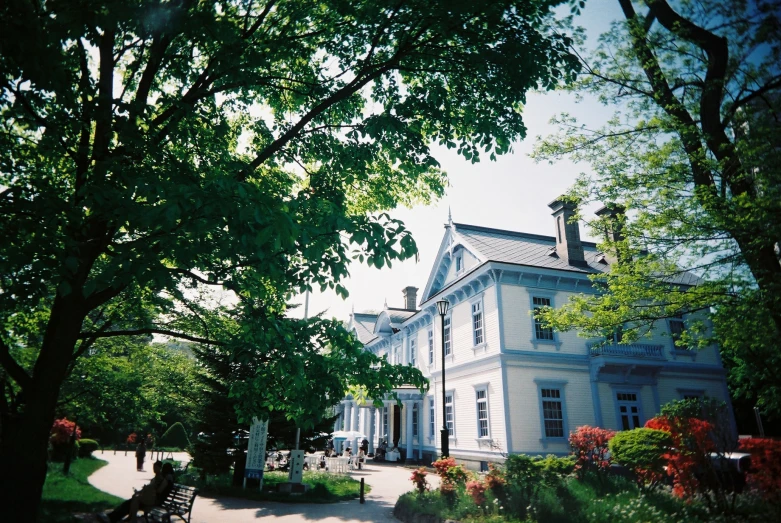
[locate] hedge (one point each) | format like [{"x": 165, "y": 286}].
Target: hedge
[{"x": 87, "y": 447}]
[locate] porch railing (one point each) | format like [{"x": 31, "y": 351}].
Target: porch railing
[{"x": 635, "y": 350}]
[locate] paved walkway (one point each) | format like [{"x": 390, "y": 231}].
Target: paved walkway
[{"x": 388, "y": 482}]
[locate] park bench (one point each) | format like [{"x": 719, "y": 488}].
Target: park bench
[{"x": 179, "y": 502}]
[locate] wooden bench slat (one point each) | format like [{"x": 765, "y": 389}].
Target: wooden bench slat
[{"x": 179, "y": 502}]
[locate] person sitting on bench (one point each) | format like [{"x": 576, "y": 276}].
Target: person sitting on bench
[{"x": 153, "y": 493}]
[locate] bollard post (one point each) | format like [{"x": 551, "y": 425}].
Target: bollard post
[{"x": 362, "y": 498}]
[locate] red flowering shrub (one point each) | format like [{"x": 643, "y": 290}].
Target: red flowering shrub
[
  {"x": 691, "y": 448},
  {"x": 476, "y": 489},
  {"x": 495, "y": 479},
  {"x": 450, "y": 474},
  {"x": 131, "y": 439},
  {"x": 765, "y": 474},
  {"x": 589, "y": 445},
  {"x": 62, "y": 430},
  {"x": 443, "y": 465},
  {"x": 419, "y": 479}
]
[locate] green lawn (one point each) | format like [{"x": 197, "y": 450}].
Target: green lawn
[
  {"x": 325, "y": 488},
  {"x": 65, "y": 495}
]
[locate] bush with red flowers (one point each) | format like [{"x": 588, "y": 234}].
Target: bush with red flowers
[
  {"x": 765, "y": 474},
  {"x": 451, "y": 476},
  {"x": 495, "y": 480},
  {"x": 131, "y": 439},
  {"x": 419, "y": 479},
  {"x": 62, "y": 429},
  {"x": 589, "y": 445},
  {"x": 60, "y": 438},
  {"x": 690, "y": 452},
  {"x": 476, "y": 490}
]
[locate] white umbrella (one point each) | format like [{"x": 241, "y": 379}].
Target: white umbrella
[{"x": 348, "y": 434}]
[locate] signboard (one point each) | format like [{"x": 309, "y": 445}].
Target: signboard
[
  {"x": 296, "y": 466},
  {"x": 256, "y": 451}
]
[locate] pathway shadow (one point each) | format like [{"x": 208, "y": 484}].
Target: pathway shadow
[{"x": 352, "y": 510}]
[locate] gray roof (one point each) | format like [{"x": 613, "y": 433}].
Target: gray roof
[
  {"x": 364, "y": 325},
  {"x": 398, "y": 316},
  {"x": 525, "y": 249},
  {"x": 535, "y": 250}
]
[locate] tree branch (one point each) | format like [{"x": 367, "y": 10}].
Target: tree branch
[
  {"x": 103, "y": 117},
  {"x": 666, "y": 99},
  {"x": 13, "y": 368},
  {"x": 82, "y": 156},
  {"x": 139, "y": 332},
  {"x": 741, "y": 102}
]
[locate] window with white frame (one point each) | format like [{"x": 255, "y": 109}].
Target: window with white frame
[
  {"x": 413, "y": 349},
  {"x": 459, "y": 263},
  {"x": 677, "y": 327},
  {"x": 449, "y": 414},
  {"x": 415, "y": 420},
  {"x": 482, "y": 413},
  {"x": 432, "y": 419},
  {"x": 385, "y": 424},
  {"x": 446, "y": 335},
  {"x": 540, "y": 331},
  {"x": 552, "y": 412},
  {"x": 477, "y": 323},
  {"x": 431, "y": 346},
  {"x": 628, "y": 410}
]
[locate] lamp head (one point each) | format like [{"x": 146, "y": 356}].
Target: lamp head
[{"x": 442, "y": 306}]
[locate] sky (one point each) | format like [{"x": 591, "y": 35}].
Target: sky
[{"x": 511, "y": 193}]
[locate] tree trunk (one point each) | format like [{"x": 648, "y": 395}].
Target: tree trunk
[
  {"x": 25, "y": 438},
  {"x": 766, "y": 270}
]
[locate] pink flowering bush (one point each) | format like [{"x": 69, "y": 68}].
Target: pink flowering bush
[
  {"x": 62, "y": 429},
  {"x": 419, "y": 479},
  {"x": 589, "y": 445},
  {"x": 476, "y": 489}
]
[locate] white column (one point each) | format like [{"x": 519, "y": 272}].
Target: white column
[
  {"x": 372, "y": 422},
  {"x": 386, "y": 412},
  {"x": 354, "y": 415},
  {"x": 346, "y": 420},
  {"x": 408, "y": 437},
  {"x": 421, "y": 429},
  {"x": 339, "y": 421}
]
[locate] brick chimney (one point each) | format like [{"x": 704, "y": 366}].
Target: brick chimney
[
  {"x": 410, "y": 297},
  {"x": 612, "y": 216},
  {"x": 568, "y": 245}
]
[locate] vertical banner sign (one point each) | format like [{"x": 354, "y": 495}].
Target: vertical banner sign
[{"x": 256, "y": 451}]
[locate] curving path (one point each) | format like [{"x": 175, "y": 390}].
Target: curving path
[{"x": 388, "y": 482}]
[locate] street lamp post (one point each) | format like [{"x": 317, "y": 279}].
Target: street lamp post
[{"x": 442, "y": 306}]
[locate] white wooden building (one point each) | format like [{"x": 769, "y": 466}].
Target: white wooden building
[{"x": 512, "y": 385}]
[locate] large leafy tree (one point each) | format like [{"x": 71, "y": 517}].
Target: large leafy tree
[
  {"x": 689, "y": 163},
  {"x": 152, "y": 149},
  {"x": 128, "y": 384}
]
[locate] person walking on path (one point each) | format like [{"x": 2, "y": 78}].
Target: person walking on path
[{"x": 140, "y": 456}]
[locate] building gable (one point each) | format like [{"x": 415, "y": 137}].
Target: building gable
[{"x": 455, "y": 258}]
